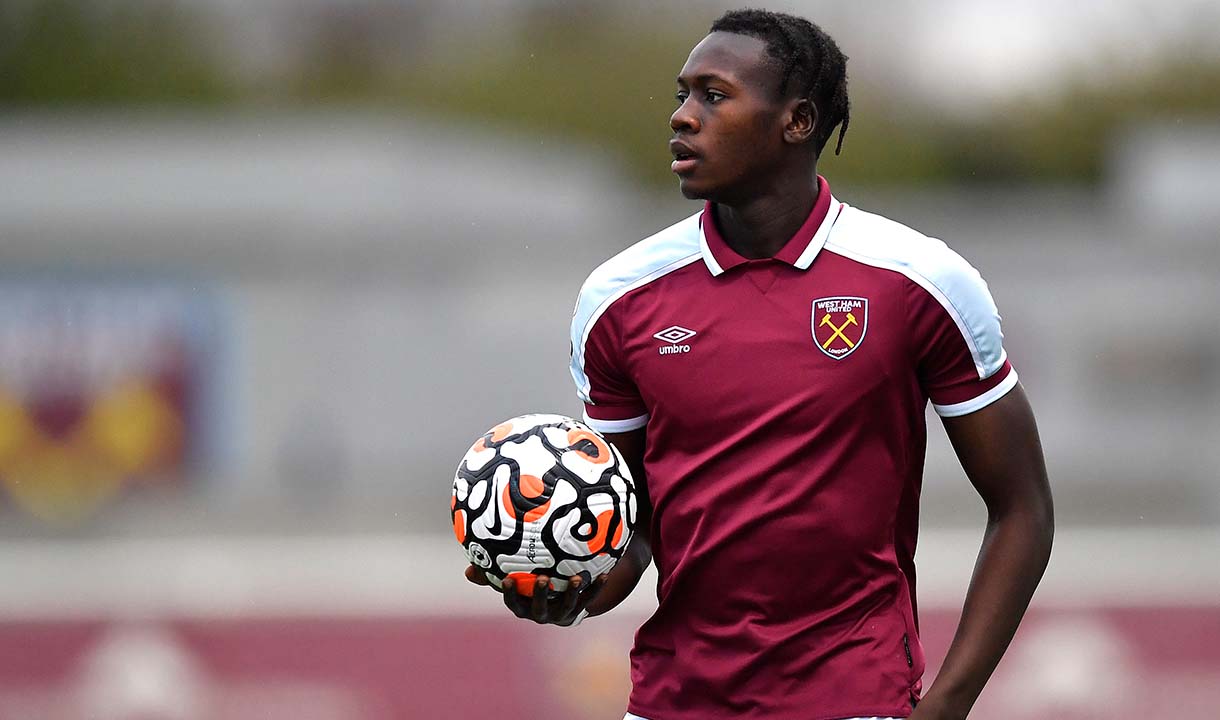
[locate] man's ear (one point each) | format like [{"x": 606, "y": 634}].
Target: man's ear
[{"x": 802, "y": 121}]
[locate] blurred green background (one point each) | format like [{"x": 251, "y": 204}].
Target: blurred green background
[{"x": 599, "y": 73}]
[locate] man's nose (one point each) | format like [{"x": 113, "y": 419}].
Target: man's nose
[{"x": 684, "y": 119}]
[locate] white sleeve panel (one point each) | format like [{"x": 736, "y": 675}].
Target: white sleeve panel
[
  {"x": 638, "y": 265},
  {"x": 616, "y": 426},
  {"x": 980, "y": 402},
  {"x": 956, "y": 285}
]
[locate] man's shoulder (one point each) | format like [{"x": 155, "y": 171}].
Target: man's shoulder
[
  {"x": 929, "y": 263},
  {"x": 876, "y": 240},
  {"x": 650, "y": 258}
]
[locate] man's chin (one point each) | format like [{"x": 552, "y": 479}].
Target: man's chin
[
  {"x": 696, "y": 191},
  {"x": 692, "y": 190}
]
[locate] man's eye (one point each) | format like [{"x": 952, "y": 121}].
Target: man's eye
[
  {"x": 714, "y": 97},
  {"x": 680, "y": 97}
]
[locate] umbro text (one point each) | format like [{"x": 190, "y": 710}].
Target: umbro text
[{"x": 673, "y": 349}]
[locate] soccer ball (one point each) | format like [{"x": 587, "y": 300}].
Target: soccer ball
[{"x": 543, "y": 495}]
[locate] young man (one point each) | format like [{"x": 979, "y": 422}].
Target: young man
[{"x": 764, "y": 367}]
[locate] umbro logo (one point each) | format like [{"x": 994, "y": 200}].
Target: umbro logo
[{"x": 674, "y": 335}]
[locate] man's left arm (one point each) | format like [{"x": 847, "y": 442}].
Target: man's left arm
[{"x": 1001, "y": 453}]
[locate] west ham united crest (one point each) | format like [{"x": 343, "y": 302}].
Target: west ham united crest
[{"x": 839, "y": 324}]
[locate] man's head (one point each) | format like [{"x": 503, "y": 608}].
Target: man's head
[{"x": 759, "y": 98}]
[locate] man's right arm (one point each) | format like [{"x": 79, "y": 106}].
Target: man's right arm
[
  {"x": 611, "y": 400},
  {"x": 625, "y": 575}
]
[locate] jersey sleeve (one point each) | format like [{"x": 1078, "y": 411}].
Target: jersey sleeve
[
  {"x": 611, "y": 399},
  {"x": 957, "y": 342}
]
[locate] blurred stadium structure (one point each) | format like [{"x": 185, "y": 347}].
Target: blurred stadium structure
[{"x": 267, "y": 269}]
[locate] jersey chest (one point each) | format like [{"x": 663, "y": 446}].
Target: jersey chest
[{"x": 766, "y": 342}]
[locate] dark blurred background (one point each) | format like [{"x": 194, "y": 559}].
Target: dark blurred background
[{"x": 267, "y": 268}]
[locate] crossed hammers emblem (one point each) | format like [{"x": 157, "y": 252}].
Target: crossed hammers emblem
[{"x": 838, "y": 330}]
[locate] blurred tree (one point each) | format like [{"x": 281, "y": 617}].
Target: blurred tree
[
  {"x": 607, "y": 85},
  {"x": 64, "y": 52},
  {"x": 612, "y": 85},
  {"x": 355, "y": 50},
  {"x": 573, "y": 70}
]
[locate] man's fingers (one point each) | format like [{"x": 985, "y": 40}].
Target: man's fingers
[
  {"x": 570, "y": 598},
  {"x": 539, "y": 610},
  {"x": 512, "y": 600},
  {"x": 476, "y": 575},
  {"x": 540, "y": 606}
]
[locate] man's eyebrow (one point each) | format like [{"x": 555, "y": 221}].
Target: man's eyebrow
[{"x": 705, "y": 78}]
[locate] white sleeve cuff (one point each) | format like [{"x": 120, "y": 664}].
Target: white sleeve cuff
[
  {"x": 616, "y": 426},
  {"x": 980, "y": 402}
]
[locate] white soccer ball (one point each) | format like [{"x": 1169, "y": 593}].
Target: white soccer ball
[{"x": 543, "y": 495}]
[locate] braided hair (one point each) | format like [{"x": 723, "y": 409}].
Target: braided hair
[{"x": 808, "y": 59}]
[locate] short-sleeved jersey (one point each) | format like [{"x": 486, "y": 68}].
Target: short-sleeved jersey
[{"x": 784, "y": 402}]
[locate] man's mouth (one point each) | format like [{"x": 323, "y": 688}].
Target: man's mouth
[
  {"x": 683, "y": 164},
  {"x": 684, "y": 158}
]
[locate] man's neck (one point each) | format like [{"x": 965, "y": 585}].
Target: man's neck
[{"x": 761, "y": 226}]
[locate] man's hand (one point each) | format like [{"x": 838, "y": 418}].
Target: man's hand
[{"x": 539, "y": 603}]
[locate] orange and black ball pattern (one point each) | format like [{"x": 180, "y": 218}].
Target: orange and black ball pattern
[{"x": 543, "y": 495}]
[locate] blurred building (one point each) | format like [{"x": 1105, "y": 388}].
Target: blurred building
[{"x": 350, "y": 299}]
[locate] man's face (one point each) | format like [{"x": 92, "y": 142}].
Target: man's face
[{"x": 729, "y": 125}]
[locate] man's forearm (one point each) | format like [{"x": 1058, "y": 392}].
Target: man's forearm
[
  {"x": 1014, "y": 554},
  {"x": 623, "y": 578}
]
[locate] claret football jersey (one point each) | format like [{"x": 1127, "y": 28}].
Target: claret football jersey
[{"x": 784, "y": 403}]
